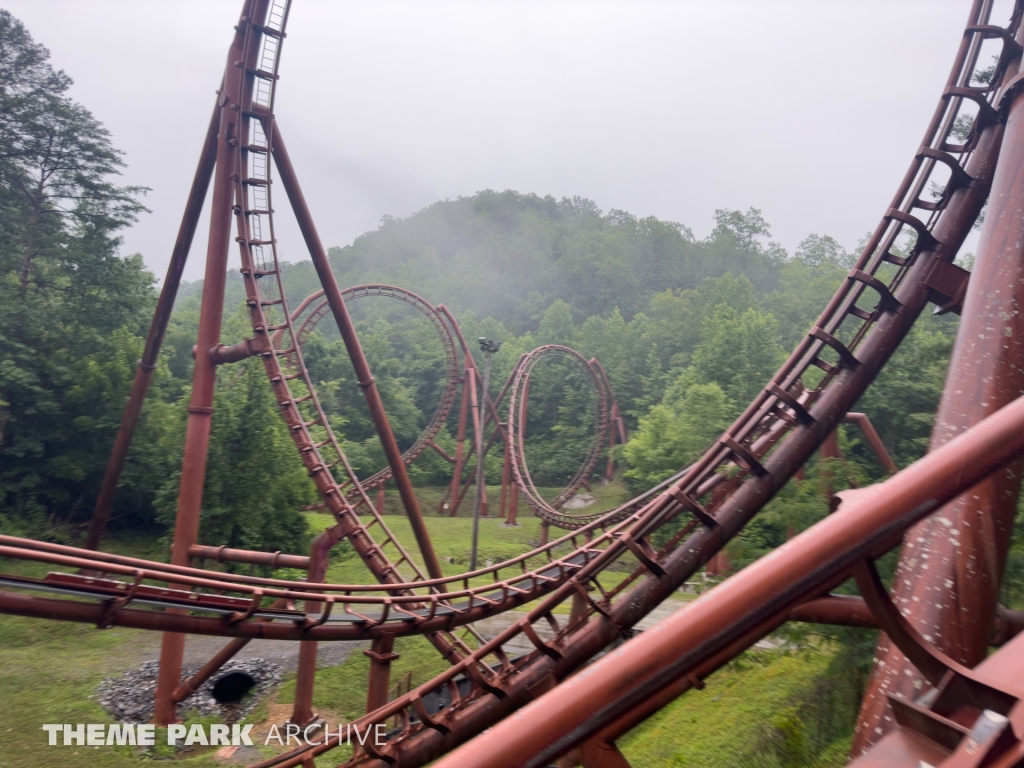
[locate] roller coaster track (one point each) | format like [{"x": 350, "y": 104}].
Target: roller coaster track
[
  {"x": 268, "y": 309},
  {"x": 437, "y": 318},
  {"x": 516, "y": 388},
  {"x": 551, "y": 511},
  {"x": 854, "y": 337},
  {"x": 275, "y": 333}
]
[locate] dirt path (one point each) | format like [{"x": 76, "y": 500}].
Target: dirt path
[
  {"x": 199, "y": 648},
  {"x": 491, "y": 627}
]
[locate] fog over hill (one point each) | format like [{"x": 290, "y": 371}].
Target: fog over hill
[{"x": 509, "y": 255}]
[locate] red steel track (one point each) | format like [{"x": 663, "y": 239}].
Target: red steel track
[
  {"x": 515, "y": 388},
  {"x": 695, "y": 512},
  {"x": 437, "y": 317}
]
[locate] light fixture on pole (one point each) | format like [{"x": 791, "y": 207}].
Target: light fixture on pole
[{"x": 488, "y": 347}]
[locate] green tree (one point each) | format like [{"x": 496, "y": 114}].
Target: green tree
[
  {"x": 72, "y": 311},
  {"x": 821, "y": 250},
  {"x": 676, "y": 431},
  {"x": 739, "y": 351},
  {"x": 255, "y": 481}
]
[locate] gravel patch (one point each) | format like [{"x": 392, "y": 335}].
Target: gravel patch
[{"x": 129, "y": 697}]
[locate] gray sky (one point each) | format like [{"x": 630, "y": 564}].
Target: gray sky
[{"x": 809, "y": 110}]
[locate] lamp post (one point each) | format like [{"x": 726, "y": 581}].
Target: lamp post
[{"x": 488, "y": 347}]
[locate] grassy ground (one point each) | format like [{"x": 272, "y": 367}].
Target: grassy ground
[
  {"x": 750, "y": 715},
  {"x": 49, "y": 670},
  {"x": 452, "y": 536},
  {"x": 48, "y": 674}
]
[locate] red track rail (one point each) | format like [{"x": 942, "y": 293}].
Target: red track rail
[
  {"x": 515, "y": 388},
  {"x": 437, "y": 318}
]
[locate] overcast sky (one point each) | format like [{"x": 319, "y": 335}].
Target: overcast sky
[{"x": 810, "y": 111}]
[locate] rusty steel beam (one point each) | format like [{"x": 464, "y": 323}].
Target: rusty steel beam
[
  {"x": 155, "y": 337},
  {"x": 868, "y": 523},
  {"x": 480, "y": 507},
  {"x": 505, "y": 469},
  {"x": 223, "y": 354},
  {"x": 511, "y": 519},
  {"x": 460, "y": 442},
  {"x": 204, "y": 378},
  {"x": 346, "y": 327},
  {"x": 874, "y": 441},
  {"x": 269, "y": 559},
  {"x": 305, "y": 677},
  {"x": 951, "y": 565},
  {"x": 381, "y": 654},
  {"x": 839, "y": 610},
  {"x": 442, "y": 452},
  {"x": 218, "y": 660}
]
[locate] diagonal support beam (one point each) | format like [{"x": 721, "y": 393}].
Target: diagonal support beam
[
  {"x": 157, "y": 329},
  {"x": 367, "y": 382}
]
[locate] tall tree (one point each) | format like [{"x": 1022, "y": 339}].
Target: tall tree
[{"x": 72, "y": 310}]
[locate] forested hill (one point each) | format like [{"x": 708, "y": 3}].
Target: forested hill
[
  {"x": 688, "y": 330},
  {"x": 509, "y": 255}
]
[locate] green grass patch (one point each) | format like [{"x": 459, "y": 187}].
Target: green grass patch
[
  {"x": 452, "y": 536},
  {"x": 767, "y": 709},
  {"x": 342, "y": 689},
  {"x": 49, "y": 671}
]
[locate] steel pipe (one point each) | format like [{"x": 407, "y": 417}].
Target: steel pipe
[
  {"x": 228, "y": 555},
  {"x": 204, "y": 378}
]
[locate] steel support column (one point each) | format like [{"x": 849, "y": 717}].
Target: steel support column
[
  {"x": 506, "y": 467},
  {"x": 460, "y": 442},
  {"x": 302, "y": 710},
  {"x": 513, "y": 507},
  {"x": 204, "y": 378},
  {"x": 478, "y": 440},
  {"x": 381, "y": 655}
]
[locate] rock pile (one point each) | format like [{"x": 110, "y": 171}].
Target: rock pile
[{"x": 129, "y": 698}]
